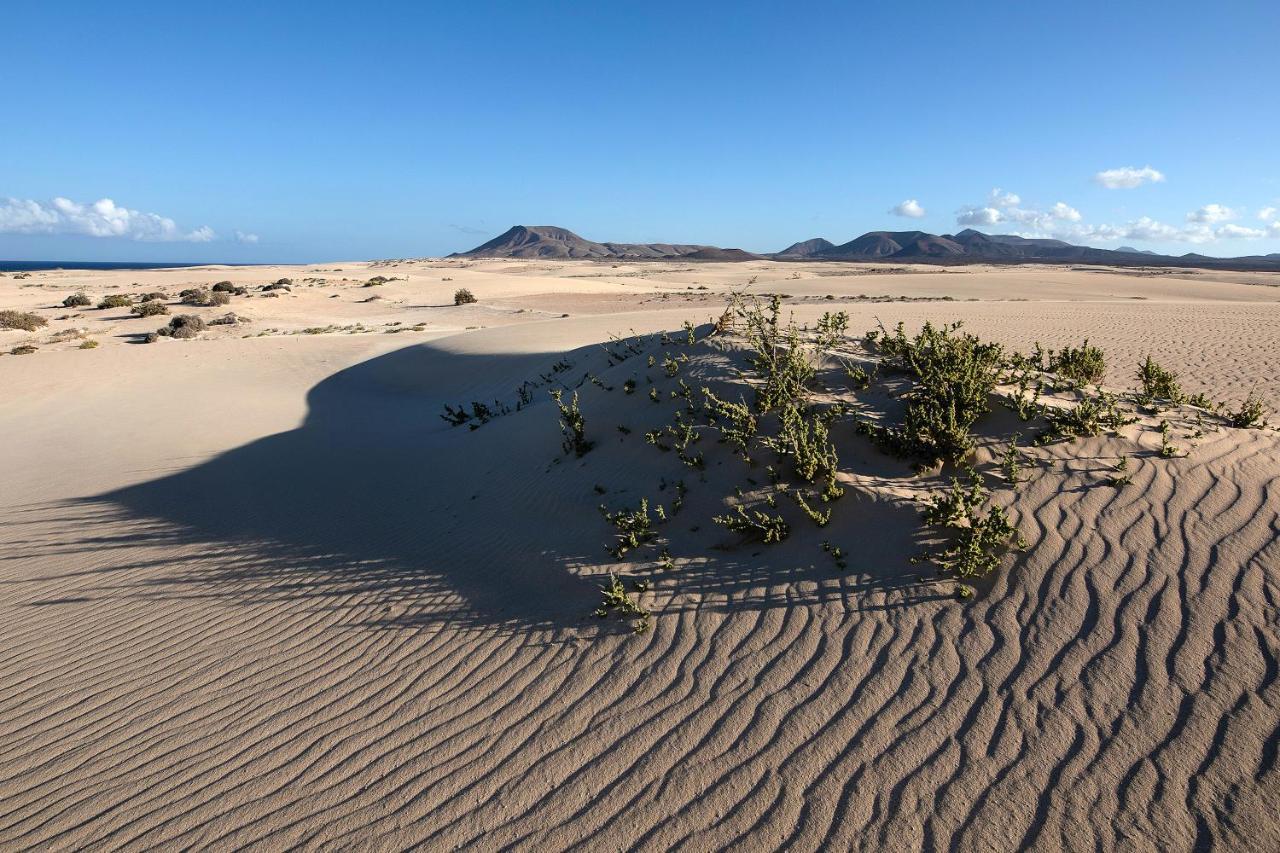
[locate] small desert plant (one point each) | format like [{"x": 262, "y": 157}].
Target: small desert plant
[
  {"x": 805, "y": 437},
  {"x": 115, "y": 300},
  {"x": 182, "y": 327},
  {"x": 1083, "y": 365},
  {"x": 462, "y": 296},
  {"x": 781, "y": 362},
  {"x": 229, "y": 288},
  {"x": 616, "y": 598},
  {"x": 629, "y": 386},
  {"x": 1158, "y": 384},
  {"x": 1011, "y": 462},
  {"x": 23, "y": 320},
  {"x": 1091, "y": 416},
  {"x": 1120, "y": 475},
  {"x": 572, "y": 424},
  {"x": 735, "y": 421},
  {"x": 77, "y": 300},
  {"x": 1026, "y": 401},
  {"x": 88, "y": 344},
  {"x": 832, "y": 329},
  {"x": 150, "y": 309},
  {"x": 22, "y": 349},
  {"x": 634, "y": 528},
  {"x": 977, "y": 540},
  {"x": 1250, "y": 414},
  {"x": 1168, "y": 450},
  {"x": 201, "y": 297},
  {"x": 954, "y": 376},
  {"x": 818, "y": 517},
  {"x": 756, "y": 525}
]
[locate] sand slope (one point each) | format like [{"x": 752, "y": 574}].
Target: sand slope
[{"x": 253, "y": 591}]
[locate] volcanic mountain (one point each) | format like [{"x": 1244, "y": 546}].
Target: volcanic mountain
[
  {"x": 806, "y": 248},
  {"x": 550, "y": 241},
  {"x": 968, "y": 246}
]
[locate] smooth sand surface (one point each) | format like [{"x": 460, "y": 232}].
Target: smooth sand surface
[{"x": 255, "y": 592}]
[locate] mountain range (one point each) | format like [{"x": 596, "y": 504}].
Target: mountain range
[{"x": 968, "y": 246}]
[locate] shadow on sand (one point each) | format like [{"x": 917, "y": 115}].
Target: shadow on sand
[{"x": 375, "y": 506}]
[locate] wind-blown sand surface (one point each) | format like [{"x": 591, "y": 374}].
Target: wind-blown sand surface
[{"x": 254, "y": 591}]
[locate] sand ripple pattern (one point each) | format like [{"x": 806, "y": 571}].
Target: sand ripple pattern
[{"x": 1117, "y": 689}]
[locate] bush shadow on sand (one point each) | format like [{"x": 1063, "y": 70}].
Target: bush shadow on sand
[{"x": 374, "y": 506}]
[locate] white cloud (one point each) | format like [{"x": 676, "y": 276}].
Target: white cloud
[
  {"x": 1127, "y": 177},
  {"x": 102, "y": 218},
  {"x": 978, "y": 216},
  {"x": 909, "y": 208},
  {"x": 1064, "y": 212},
  {"x": 1211, "y": 213},
  {"x": 1000, "y": 198},
  {"x": 1005, "y": 207},
  {"x": 1267, "y": 214},
  {"x": 1274, "y": 228},
  {"x": 1236, "y": 231},
  {"x": 242, "y": 237},
  {"x": 1150, "y": 230}
]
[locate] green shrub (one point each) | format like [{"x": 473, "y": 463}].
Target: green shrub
[
  {"x": 756, "y": 525},
  {"x": 1158, "y": 384},
  {"x": 1083, "y": 365},
  {"x": 782, "y": 364},
  {"x": 1091, "y": 416},
  {"x": 832, "y": 329},
  {"x": 735, "y": 421},
  {"x": 88, "y": 344},
  {"x": 229, "y": 289},
  {"x": 616, "y": 599},
  {"x": 77, "y": 300},
  {"x": 23, "y": 320},
  {"x": 572, "y": 424},
  {"x": 1251, "y": 414},
  {"x": 634, "y": 528},
  {"x": 115, "y": 300},
  {"x": 977, "y": 540},
  {"x": 954, "y": 375},
  {"x": 462, "y": 296}
]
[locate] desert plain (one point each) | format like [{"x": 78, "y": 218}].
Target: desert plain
[{"x": 255, "y": 592}]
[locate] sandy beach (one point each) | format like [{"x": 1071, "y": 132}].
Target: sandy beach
[{"x": 256, "y": 592}]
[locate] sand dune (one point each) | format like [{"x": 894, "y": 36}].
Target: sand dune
[{"x": 254, "y": 591}]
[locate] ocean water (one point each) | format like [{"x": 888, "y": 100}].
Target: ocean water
[{"x": 33, "y": 266}]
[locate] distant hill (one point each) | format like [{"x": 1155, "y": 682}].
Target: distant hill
[
  {"x": 550, "y": 241},
  {"x": 805, "y": 248},
  {"x": 968, "y": 246},
  {"x": 711, "y": 253}
]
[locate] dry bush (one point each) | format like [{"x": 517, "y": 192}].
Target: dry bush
[
  {"x": 150, "y": 309},
  {"x": 23, "y": 320}
]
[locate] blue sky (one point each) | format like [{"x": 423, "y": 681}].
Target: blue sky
[{"x": 319, "y": 131}]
